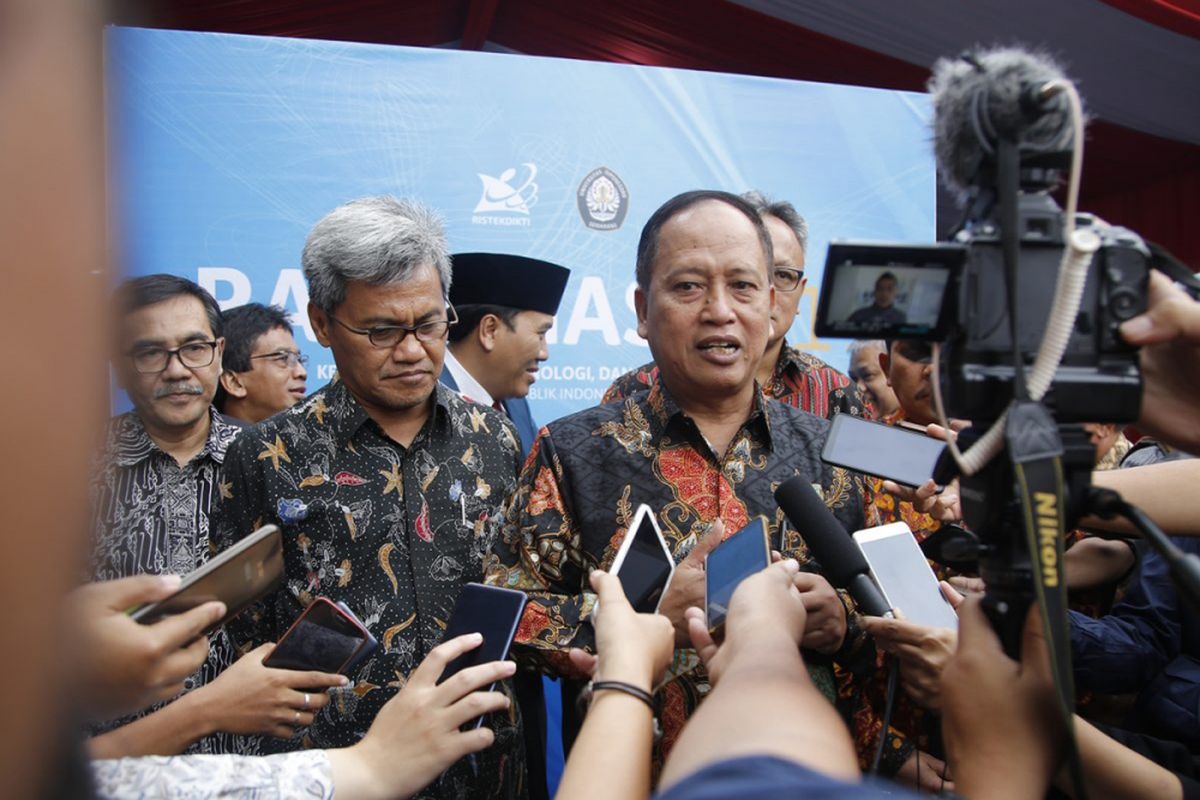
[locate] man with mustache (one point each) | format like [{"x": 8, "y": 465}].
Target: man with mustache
[{"x": 152, "y": 493}]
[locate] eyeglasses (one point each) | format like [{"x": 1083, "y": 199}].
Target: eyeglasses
[
  {"x": 193, "y": 355},
  {"x": 786, "y": 279},
  {"x": 386, "y": 336},
  {"x": 284, "y": 358}
]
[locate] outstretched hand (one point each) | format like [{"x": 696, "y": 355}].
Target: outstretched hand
[
  {"x": 765, "y": 607},
  {"x": 630, "y": 647},
  {"x": 124, "y": 666},
  {"x": 1000, "y": 717},
  {"x": 686, "y": 588},
  {"x": 416, "y": 737}
]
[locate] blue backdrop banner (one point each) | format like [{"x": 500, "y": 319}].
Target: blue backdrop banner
[{"x": 226, "y": 149}]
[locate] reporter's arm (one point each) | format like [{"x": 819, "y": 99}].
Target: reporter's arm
[
  {"x": 763, "y": 703},
  {"x": 1164, "y": 491},
  {"x": 247, "y": 698},
  {"x": 611, "y": 754},
  {"x": 1113, "y": 771}
]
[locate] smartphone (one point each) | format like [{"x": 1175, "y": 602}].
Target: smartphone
[
  {"x": 237, "y": 577},
  {"x": 326, "y": 638},
  {"x": 900, "y": 455},
  {"x": 903, "y": 575},
  {"x": 644, "y": 563},
  {"x": 492, "y": 611},
  {"x": 732, "y": 561}
]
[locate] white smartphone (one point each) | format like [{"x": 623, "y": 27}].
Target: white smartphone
[
  {"x": 644, "y": 562},
  {"x": 903, "y": 575}
]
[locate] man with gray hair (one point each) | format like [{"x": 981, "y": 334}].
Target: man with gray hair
[
  {"x": 785, "y": 373},
  {"x": 389, "y": 487}
]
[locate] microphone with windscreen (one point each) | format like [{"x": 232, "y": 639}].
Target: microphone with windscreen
[{"x": 842, "y": 563}]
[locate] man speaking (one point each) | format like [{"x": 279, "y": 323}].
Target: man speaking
[
  {"x": 506, "y": 305},
  {"x": 702, "y": 445}
]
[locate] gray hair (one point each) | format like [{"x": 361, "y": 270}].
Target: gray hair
[
  {"x": 858, "y": 345},
  {"x": 782, "y": 210},
  {"x": 375, "y": 240}
]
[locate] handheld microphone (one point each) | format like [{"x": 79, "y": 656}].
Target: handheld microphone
[
  {"x": 841, "y": 560},
  {"x": 985, "y": 95}
]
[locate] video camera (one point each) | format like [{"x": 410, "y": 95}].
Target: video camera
[{"x": 955, "y": 293}]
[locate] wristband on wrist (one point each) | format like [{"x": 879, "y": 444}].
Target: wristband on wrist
[{"x": 626, "y": 688}]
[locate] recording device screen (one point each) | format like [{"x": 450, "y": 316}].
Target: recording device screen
[
  {"x": 644, "y": 563},
  {"x": 885, "y": 451},
  {"x": 237, "y": 577},
  {"x": 881, "y": 291},
  {"x": 903, "y": 575},
  {"x": 323, "y": 638},
  {"x": 732, "y": 561}
]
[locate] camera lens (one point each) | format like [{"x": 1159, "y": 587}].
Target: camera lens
[{"x": 1123, "y": 303}]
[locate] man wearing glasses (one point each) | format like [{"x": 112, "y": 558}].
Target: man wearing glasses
[
  {"x": 389, "y": 487},
  {"x": 785, "y": 373},
  {"x": 263, "y": 368},
  {"x": 152, "y": 495}
]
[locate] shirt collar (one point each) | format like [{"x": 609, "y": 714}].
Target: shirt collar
[
  {"x": 662, "y": 410},
  {"x": 468, "y": 387},
  {"x": 346, "y": 415},
  {"x": 131, "y": 444}
]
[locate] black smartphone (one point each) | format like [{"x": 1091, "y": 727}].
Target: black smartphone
[
  {"x": 643, "y": 562},
  {"x": 495, "y": 613},
  {"x": 732, "y": 561},
  {"x": 886, "y": 451},
  {"x": 326, "y": 638},
  {"x": 237, "y": 577}
]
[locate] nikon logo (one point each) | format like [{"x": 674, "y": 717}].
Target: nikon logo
[{"x": 1047, "y": 522}]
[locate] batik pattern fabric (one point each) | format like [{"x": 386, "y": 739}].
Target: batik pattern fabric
[
  {"x": 305, "y": 775},
  {"x": 582, "y": 484},
  {"x": 391, "y": 531},
  {"x": 151, "y": 515},
  {"x": 800, "y": 380}
]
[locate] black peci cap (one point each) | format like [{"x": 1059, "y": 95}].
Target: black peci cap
[{"x": 500, "y": 279}]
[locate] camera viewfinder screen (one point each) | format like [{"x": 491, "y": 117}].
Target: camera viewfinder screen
[{"x": 887, "y": 292}]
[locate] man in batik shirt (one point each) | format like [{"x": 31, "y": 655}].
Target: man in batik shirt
[
  {"x": 152, "y": 494},
  {"x": 789, "y": 375},
  {"x": 702, "y": 444},
  {"x": 388, "y": 486}
]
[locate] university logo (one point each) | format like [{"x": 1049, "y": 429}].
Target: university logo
[
  {"x": 507, "y": 197},
  {"x": 603, "y": 200}
]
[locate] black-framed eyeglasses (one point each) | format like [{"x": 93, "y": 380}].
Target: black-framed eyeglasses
[
  {"x": 386, "y": 336},
  {"x": 193, "y": 355},
  {"x": 786, "y": 279},
  {"x": 284, "y": 358}
]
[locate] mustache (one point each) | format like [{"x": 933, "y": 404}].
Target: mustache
[{"x": 179, "y": 387}]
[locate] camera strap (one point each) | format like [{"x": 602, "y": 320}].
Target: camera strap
[{"x": 1036, "y": 451}]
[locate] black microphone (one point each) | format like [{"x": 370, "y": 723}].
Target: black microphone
[
  {"x": 984, "y": 95},
  {"x": 842, "y": 562}
]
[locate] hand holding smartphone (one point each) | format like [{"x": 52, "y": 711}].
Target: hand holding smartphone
[
  {"x": 327, "y": 637},
  {"x": 644, "y": 562},
  {"x": 237, "y": 577},
  {"x": 732, "y": 561},
  {"x": 492, "y": 611},
  {"x": 903, "y": 575}
]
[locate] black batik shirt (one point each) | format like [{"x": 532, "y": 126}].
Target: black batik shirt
[
  {"x": 151, "y": 515},
  {"x": 393, "y": 532}
]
